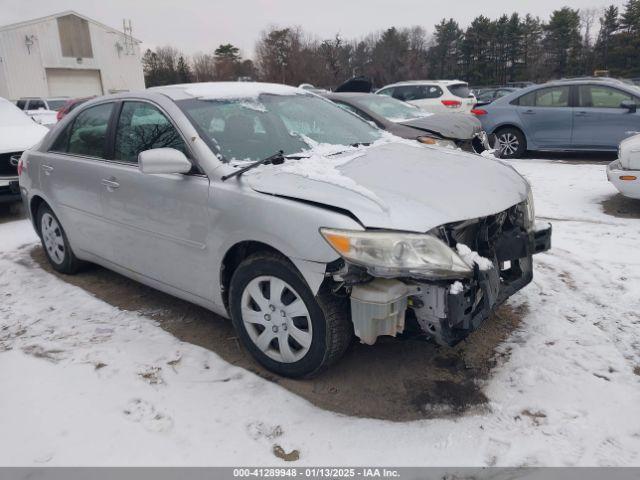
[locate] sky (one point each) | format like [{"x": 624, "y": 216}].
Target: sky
[{"x": 200, "y": 26}]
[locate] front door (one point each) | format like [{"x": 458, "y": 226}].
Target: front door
[
  {"x": 547, "y": 117},
  {"x": 599, "y": 120},
  {"x": 159, "y": 223}
]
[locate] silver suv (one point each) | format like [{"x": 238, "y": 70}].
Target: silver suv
[{"x": 273, "y": 206}]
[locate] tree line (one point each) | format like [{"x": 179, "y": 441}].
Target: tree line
[{"x": 511, "y": 48}]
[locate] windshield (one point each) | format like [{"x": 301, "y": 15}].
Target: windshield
[
  {"x": 390, "y": 108},
  {"x": 11, "y": 116},
  {"x": 255, "y": 128},
  {"x": 461, "y": 90},
  {"x": 56, "y": 104}
]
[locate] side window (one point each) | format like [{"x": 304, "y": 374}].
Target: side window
[
  {"x": 387, "y": 91},
  {"x": 552, "y": 97},
  {"x": 21, "y": 104},
  {"x": 88, "y": 135},
  {"x": 598, "y": 96},
  {"x": 528, "y": 100},
  {"x": 141, "y": 127},
  {"x": 431, "y": 91},
  {"x": 36, "y": 104}
]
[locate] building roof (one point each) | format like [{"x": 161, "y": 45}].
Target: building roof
[{"x": 62, "y": 14}]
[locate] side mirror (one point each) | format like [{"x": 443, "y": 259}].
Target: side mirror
[
  {"x": 629, "y": 105},
  {"x": 163, "y": 160}
]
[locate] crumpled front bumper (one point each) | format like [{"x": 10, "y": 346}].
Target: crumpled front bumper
[{"x": 449, "y": 312}]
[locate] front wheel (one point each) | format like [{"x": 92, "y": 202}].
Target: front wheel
[
  {"x": 283, "y": 325},
  {"x": 511, "y": 142}
]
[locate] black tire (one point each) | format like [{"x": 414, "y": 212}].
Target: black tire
[
  {"x": 513, "y": 143},
  {"x": 329, "y": 316},
  {"x": 69, "y": 263}
]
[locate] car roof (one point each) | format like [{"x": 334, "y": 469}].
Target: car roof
[
  {"x": 224, "y": 90},
  {"x": 421, "y": 82}
]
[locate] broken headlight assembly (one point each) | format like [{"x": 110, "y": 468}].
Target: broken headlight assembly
[
  {"x": 393, "y": 254},
  {"x": 437, "y": 142},
  {"x": 529, "y": 212}
]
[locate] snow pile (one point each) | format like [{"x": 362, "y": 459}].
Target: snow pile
[
  {"x": 237, "y": 90},
  {"x": 470, "y": 257},
  {"x": 456, "y": 288}
]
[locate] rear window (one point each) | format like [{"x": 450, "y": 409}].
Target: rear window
[
  {"x": 460, "y": 90},
  {"x": 56, "y": 104}
]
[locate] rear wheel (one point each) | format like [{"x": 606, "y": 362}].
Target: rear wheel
[
  {"x": 55, "y": 243},
  {"x": 283, "y": 325},
  {"x": 512, "y": 142}
]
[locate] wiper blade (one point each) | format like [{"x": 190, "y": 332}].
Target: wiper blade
[{"x": 275, "y": 159}]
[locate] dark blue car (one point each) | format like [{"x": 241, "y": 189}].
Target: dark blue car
[{"x": 592, "y": 114}]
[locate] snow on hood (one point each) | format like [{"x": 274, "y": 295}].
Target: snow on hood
[
  {"x": 449, "y": 125},
  {"x": 17, "y": 131},
  {"x": 398, "y": 185}
]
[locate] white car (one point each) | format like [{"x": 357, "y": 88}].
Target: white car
[
  {"x": 43, "y": 110},
  {"x": 624, "y": 172},
  {"x": 18, "y": 132},
  {"x": 436, "y": 96}
]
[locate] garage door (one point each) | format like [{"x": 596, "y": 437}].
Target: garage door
[{"x": 67, "y": 82}]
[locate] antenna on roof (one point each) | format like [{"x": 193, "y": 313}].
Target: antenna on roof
[{"x": 129, "y": 42}]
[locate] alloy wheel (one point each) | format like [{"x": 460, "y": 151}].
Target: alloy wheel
[
  {"x": 509, "y": 143},
  {"x": 276, "y": 318},
  {"x": 52, "y": 238}
]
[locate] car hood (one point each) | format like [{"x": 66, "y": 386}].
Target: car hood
[
  {"x": 462, "y": 127},
  {"x": 398, "y": 185},
  {"x": 17, "y": 138}
]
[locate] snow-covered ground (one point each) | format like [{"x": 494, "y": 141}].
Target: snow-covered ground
[{"x": 83, "y": 383}]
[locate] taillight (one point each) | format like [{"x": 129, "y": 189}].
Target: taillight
[
  {"x": 20, "y": 166},
  {"x": 479, "y": 111},
  {"x": 60, "y": 114},
  {"x": 451, "y": 103}
]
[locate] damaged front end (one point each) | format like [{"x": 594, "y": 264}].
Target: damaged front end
[{"x": 468, "y": 268}]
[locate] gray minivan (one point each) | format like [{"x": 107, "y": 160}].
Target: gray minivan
[{"x": 272, "y": 206}]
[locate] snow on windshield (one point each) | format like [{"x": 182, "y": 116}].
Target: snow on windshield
[
  {"x": 237, "y": 90},
  {"x": 391, "y": 109},
  {"x": 253, "y": 128}
]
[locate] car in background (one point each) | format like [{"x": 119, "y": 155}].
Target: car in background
[
  {"x": 274, "y": 207},
  {"x": 593, "y": 114},
  {"x": 18, "y": 132},
  {"x": 487, "y": 95},
  {"x": 42, "y": 110},
  {"x": 624, "y": 172},
  {"x": 69, "y": 105},
  {"x": 436, "y": 96},
  {"x": 408, "y": 121}
]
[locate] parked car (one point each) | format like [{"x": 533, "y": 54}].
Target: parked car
[
  {"x": 624, "y": 172},
  {"x": 488, "y": 95},
  {"x": 274, "y": 207},
  {"x": 577, "y": 114},
  {"x": 408, "y": 121},
  {"x": 435, "y": 96},
  {"x": 69, "y": 105},
  {"x": 17, "y": 133},
  {"x": 42, "y": 110}
]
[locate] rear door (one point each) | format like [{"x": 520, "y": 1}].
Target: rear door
[
  {"x": 599, "y": 120},
  {"x": 159, "y": 224},
  {"x": 547, "y": 116},
  {"x": 70, "y": 174}
]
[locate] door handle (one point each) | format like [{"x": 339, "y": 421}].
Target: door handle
[
  {"x": 47, "y": 169},
  {"x": 110, "y": 184},
  {"x": 581, "y": 114},
  {"x": 529, "y": 112}
]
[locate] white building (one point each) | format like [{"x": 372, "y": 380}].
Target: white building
[{"x": 68, "y": 55}]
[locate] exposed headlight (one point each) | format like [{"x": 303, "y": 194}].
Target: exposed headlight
[
  {"x": 394, "y": 253},
  {"x": 437, "y": 142}
]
